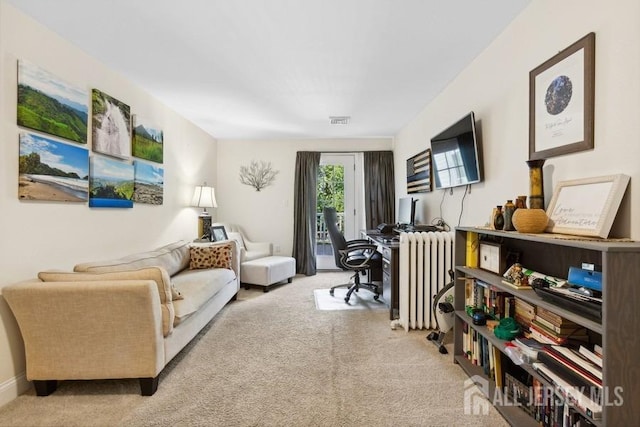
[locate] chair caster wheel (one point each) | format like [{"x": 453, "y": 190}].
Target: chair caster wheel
[
  {"x": 346, "y": 299},
  {"x": 376, "y": 297},
  {"x": 443, "y": 350}
]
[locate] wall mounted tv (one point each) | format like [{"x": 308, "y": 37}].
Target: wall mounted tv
[{"x": 456, "y": 154}]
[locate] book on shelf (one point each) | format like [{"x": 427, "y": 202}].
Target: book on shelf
[
  {"x": 561, "y": 332},
  {"x": 580, "y": 361},
  {"x": 565, "y": 327},
  {"x": 593, "y": 357},
  {"x": 546, "y": 337},
  {"x": 575, "y": 396},
  {"x": 569, "y": 370},
  {"x": 552, "y": 317}
]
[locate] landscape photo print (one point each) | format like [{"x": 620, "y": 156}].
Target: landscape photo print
[{"x": 50, "y": 105}]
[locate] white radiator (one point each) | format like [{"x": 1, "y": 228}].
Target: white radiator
[{"x": 425, "y": 261}]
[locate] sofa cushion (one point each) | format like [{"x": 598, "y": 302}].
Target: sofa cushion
[
  {"x": 173, "y": 258},
  {"x": 198, "y": 286},
  {"x": 218, "y": 256},
  {"x": 157, "y": 274}
]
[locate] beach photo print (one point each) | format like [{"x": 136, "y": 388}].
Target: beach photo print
[
  {"x": 50, "y": 105},
  {"x": 52, "y": 170}
]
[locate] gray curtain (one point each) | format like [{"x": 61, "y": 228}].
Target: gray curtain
[
  {"x": 304, "y": 212},
  {"x": 379, "y": 188}
]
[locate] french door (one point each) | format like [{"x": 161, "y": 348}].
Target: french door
[{"x": 337, "y": 188}]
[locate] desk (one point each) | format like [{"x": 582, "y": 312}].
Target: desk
[{"x": 390, "y": 250}]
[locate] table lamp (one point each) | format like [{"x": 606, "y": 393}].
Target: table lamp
[{"x": 204, "y": 197}]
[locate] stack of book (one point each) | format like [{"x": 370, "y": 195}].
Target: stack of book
[
  {"x": 551, "y": 328},
  {"x": 524, "y": 313},
  {"x": 574, "y": 375}
]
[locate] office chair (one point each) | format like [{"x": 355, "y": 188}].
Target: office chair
[{"x": 354, "y": 255}]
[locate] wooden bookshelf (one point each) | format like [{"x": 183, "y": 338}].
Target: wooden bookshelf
[{"x": 620, "y": 263}]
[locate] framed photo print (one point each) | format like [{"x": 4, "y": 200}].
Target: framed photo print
[
  {"x": 586, "y": 207},
  {"x": 218, "y": 233},
  {"x": 561, "y": 102}
]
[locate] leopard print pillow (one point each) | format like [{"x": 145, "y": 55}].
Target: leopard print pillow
[{"x": 218, "y": 256}]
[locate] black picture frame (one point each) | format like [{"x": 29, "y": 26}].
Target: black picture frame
[
  {"x": 218, "y": 233},
  {"x": 561, "y": 102}
]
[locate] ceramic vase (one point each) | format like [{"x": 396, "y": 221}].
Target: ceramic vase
[
  {"x": 498, "y": 218},
  {"x": 509, "y": 208},
  {"x": 536, "y": 189}
]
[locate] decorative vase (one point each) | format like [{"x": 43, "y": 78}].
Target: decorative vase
[
  {"x": 521, "y": 202},
  {"x": 498, "y": 218},
  {"x": 509, "y": 209},
  {"x": 530, "y": 220},
  {"x": 536, "y": 190}
]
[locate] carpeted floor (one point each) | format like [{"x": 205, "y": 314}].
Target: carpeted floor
[
  {"x": 272, "y": 359},
  {"x": 361, "y": 300}
]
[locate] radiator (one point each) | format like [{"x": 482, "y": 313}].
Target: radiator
[{"x": 425, "y": 260}]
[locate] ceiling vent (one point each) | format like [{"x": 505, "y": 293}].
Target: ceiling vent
[{"x": 339, "y": 120}]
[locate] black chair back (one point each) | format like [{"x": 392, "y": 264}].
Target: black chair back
[{"x": 337, "y": 238}]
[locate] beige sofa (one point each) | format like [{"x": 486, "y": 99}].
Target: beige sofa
[{"x": 123, "y": 318}]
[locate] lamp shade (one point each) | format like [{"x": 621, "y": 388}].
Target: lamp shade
[{"x": 204, "y": 197}]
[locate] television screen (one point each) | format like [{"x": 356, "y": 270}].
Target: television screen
[{"x": 455, "y": 153}]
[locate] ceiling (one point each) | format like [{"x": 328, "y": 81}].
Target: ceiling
[{"x": 277, "y": 69}]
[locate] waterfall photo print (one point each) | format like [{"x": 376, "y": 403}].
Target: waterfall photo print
[
  {"x": 48, "y": 104},
  {"x": 110, "y": 125}
]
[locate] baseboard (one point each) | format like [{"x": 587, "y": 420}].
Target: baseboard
[{"x": 13, "y": 388}]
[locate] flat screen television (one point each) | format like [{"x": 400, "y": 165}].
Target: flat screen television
[{"x": 456, "y": 154}]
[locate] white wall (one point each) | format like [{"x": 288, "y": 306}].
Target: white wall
[
  {"x": 267, "y": 215},
  {"x": 42, "y": 235},
  {"x": 495, "y": 87}
]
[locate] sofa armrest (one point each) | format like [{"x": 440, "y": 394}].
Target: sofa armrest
[
  {"x": 263, "y": 247},
  {"x": 89, "y": 330}
]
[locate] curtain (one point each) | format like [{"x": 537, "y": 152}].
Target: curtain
[
  {"x": 304, "y": 211},
  {"x": 379, "y": 188}
]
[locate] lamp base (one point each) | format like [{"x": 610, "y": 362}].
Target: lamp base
[{"x": 204, "y": 227}]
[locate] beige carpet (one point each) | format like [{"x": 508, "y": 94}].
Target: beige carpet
[
  {"x": 272, "y": 359},
  {"x": 361, "y": 300}
]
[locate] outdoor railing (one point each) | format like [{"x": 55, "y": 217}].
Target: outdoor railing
[{"x": 322, "y": 234}]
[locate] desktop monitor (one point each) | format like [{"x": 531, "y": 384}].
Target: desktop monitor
[{"x": 407, "y": 211}]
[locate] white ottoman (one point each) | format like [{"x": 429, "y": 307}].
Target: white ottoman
[{"x": 267, "y": 271}]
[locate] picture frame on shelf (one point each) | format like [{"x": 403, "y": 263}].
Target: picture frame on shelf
[
  {"x": 218, "y": 233},
  {"x": 570, "y": 214},
  {"x": 492, "y": 257},
  {"x": 561, "y": 102}
]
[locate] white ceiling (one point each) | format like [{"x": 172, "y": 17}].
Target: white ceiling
[{"x": 273, "y": 69}]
